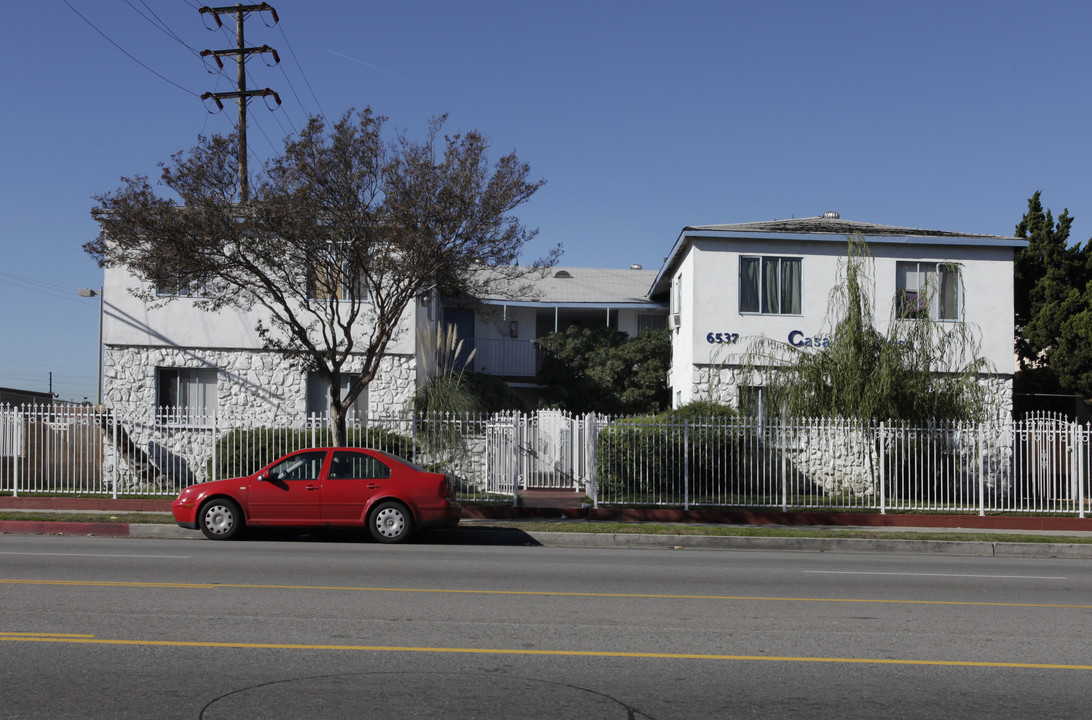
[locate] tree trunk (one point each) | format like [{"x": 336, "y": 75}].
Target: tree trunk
[{"x": 337, "y": 414}]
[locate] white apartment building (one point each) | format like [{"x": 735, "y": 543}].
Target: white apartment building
[
  {"x": 729, "y": 284},
  {"x": 720, "y": 287}
]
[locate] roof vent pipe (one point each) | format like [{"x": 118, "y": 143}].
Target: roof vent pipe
[{"x": 635, "y": 266}]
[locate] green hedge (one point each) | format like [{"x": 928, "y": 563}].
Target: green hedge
[
  {"x": 654, "y": 456},
  {"x": 242, "y": 452}
]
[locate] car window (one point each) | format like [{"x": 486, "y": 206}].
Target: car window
[
  {"x": 305, "y": 466},
  {"x": 402, "y": 460},
  {"x": 348, "y": 465}
]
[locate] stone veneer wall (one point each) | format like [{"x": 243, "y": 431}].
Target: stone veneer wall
[
  {"x": 848, "y": 465},
  {"x": 260, "y": 386},
  {"x": 253, "y": 389}
]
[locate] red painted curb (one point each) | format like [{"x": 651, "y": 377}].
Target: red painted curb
[
  {"x": 45, "y": 527},
  {"x": 78, "y": 503}
]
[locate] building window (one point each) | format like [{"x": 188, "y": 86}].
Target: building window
[
  {"x": 927, "y": 290},
  {"x": 769, "y": 285},
  {"x": 180, "y": 287},
  {"x": 335, "y": 277},
  {"x": 318, "y": 397},
  {"x": 752, "y": 401},
  {"x": 186, "y": 395},
  {"x": 651, "y": 322}
]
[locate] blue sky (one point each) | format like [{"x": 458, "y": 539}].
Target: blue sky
[{"x": 642, "y": 117}]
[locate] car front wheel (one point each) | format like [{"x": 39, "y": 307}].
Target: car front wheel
[
  {"x": 220, "y": 519},
  {"x": 390, "y": 522}
]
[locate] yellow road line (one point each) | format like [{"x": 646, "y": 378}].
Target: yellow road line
[
  {"x": 542, "y": 593},
  {"x": 83, "y": 640}
]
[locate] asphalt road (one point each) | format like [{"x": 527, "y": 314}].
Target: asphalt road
[{"x": 133, "y": 628}]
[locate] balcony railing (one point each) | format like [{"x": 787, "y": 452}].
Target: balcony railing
[{"x": 506, "y": 357}]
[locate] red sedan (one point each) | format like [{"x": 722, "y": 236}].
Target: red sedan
[{"x": 323, "y": 487}]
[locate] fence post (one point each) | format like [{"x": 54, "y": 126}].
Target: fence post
[
  {"x": 516, "y": 425},
  {"x": 212, "y": 470},
  {"x": 115, "y": 450},
  {"x": 591, "y": 457},
  {"x": 880, "y": 458},
  {"x": 686, "y": 464},
  {"x": 413, "y": 435},
  {"x": 783, "y": 431},
  {"x": 981, "y": 451},
  {"x": 1076, "y": 464},
  {"x": 1082, "y": 480},
  {"x": 18, "y": 446}
]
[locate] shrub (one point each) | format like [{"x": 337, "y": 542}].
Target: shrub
[
  {"x": 650, "y": 458},
  {"x": 242, "y": 452}
]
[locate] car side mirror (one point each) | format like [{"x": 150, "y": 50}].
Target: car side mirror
[{"x": 264, "y": 475}]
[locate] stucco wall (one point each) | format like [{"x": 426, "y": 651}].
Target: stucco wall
[
  {"x": 129, "y": 321},
  {"x": 710, "y": 300}
]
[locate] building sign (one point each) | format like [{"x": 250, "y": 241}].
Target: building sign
[{"x": 798, "y": 339}]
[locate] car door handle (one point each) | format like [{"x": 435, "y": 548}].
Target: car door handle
[
  {"x": 311, "y": 487},
  {"x": 374, "y": 486}
]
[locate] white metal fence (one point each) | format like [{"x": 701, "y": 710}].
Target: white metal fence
[{"x": 1036, "y": 465}]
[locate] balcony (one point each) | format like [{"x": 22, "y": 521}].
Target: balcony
[{"x": 508, "y": 358}]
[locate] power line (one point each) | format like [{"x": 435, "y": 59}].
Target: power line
[
  {"x": 63, "y": 292},
  {"x": 127, "y": 53},
  {"x": 160, "y": 25},
  {"x": 303, "y": 75}
]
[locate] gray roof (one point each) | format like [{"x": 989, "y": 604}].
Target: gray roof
[
  {"x": 834, "y": 226},
  {"x": 587, "y": 286}
]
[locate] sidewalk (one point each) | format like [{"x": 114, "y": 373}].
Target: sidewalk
[{"x": 566, "y": 509}]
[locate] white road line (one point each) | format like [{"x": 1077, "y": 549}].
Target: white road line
[{"x": 951, "y": 575}]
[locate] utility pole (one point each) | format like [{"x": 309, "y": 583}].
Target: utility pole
[{"x": 242, "y": 95}]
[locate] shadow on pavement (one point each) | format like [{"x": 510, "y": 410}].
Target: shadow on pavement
[{"x": 485, "y": 536}]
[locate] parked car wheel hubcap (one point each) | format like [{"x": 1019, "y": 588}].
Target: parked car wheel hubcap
[
  {"x": 390, "y": 522},
  {"x": 218, "y": 519}
]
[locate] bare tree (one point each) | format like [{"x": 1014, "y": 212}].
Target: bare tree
[{"x": 344, "y": 230}]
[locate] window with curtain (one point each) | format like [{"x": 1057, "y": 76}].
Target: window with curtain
[
  {"x": 927, "y": 290},
  {"x": 334, "y": 277},
  {"x": 769, "y": 285},
  {"x": 186, "y": 395},
  {"x": 318, "y": 396}
]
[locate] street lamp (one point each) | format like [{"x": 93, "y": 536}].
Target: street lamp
[{"x": 87, "y": 292}]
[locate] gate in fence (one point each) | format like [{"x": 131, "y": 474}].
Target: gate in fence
[
  {"x": 1051, "y": 458},
  {"x": 544, "y": 450}
]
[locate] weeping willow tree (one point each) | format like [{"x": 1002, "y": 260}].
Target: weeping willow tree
[{"x": 918, "y": 370}]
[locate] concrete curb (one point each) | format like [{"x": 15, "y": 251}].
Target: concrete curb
[
  {"x": 628, "y": 541},
  {"x": 848, "y": 545}
]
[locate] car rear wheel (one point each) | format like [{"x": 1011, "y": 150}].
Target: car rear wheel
[
  {"x": 390, "y": 522},
  {"x": 220, "y": 519}
]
